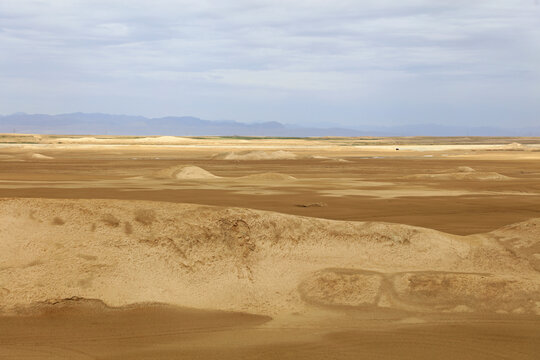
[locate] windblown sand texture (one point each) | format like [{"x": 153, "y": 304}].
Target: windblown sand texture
[
  {"x": 256, "y": 155},
  {"x": 142, "y": 248},
  {"x": 463, "y": 173},
  {"x": 186, "y": 173},
  {"x": 244, "y": 260},
  {"x": 40, "y": 157}
]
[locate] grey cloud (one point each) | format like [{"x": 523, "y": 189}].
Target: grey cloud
[{"x": 238, "y": 59}]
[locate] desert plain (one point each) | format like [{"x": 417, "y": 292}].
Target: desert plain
[{"x": 269, "y": 248}]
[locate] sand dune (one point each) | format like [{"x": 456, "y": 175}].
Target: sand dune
[
  {"x": 164, "y": 140},
  {"x": 37, "y": 156},
  {"x": 515, "y": 146},
  {"x": 134, "y": 279},
  {"x": 268, "y": 177},
  {"x": 462, "y": 173},
  {"x": 189, "y": 172},
  {"x": 326, "y": 158},
  {"x": 147, "y": 140},
  {"x": 186, "y": 172},
  {"x": 465, "y": 169},
  {"x": 256, "y": 155},
  {"x": 522, "y": 239},
  {"x": 125, "y": 252},
  {"x": 424, "y": 291},
  {"x": 271, "y": 155},
  {"x": 194, "y": 172}
]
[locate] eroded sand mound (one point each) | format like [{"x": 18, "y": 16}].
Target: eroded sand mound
[
  {"x": 326, "y": 158},
  {"x": 343, "y": 287},
  {"x": 256, "y": 155},
  {"x": 194, "y": 172},
  {"x": 163, "y": 140},
  {"x": 37, "y": 156},
  {"x": 423, "y": 291},
  {"x": 186, "y": 172},
  {"x": 124, "y": 252},
  {"x": 268, "y": 177},
  {"x": 189, "y": 172},
  {"x": 464, "y": 173},
  {"x": 148, "y": 140},
  {"x": 466, "y": 169},
  {"x": 522, "y": 239},
  {"x": 467, "y": 292},
  {"x": 515, "y": 146}
]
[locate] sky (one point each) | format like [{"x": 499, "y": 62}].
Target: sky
[{"x": 304, "y": 62}]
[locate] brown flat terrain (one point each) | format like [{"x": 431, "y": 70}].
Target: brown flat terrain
[
  {"x": 155, "y": 332},
  {"x": 339, "y": 248}
]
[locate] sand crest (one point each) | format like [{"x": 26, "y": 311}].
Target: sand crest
[
  {"x": 186, "y": 172},
  {"x": 256, "y": 155},
  {"x": 146, "y": 140},
  {"x": 464, "y": 173},
  {"x": 268, "y": 177},
  {"x": 466, "y": 169},
  {"x": 37, "y": 156},
  {"x": 125, "y": 252},
  {"x": 189, "y": 172},
  {"x": 515, "y": 146},
  {"x": 193, "y": 172}
]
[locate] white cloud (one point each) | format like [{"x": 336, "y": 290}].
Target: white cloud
[{"x": 346, "y": 52}]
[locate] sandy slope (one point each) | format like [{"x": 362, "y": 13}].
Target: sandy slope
[
  {"x": 40, "y": 157},
  {"x": 267, "y": 177},
  {"x": 182, "y": 172},
  {"x": 333, "y": 289},
  {"x": 149, "y": 140},
  {"x": 189, "y": 172},
  {"x": 256, "y": 155},
  {"x": 125, "y": 252},
  {"x": 462, "y": 173}
]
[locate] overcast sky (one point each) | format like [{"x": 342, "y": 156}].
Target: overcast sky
[{"x": 309, "y": 62}]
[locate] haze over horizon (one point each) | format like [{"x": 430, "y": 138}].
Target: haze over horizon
[
  {"x": 346, "y": 64},
  {"x": 116, "y": 124}
]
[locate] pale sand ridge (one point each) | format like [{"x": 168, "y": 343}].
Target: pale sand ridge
[
  {"x": 462, "y": 173},
  {"x": 38, "y": 156},
  {"x": 268, "y": 177},
  {"x": 256, "y": 155},
  {"x": 245, "y": 260},
  {"x": 188, "y": 172}
]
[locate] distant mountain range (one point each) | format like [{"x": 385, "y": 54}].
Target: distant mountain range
[{"x": 108, "y": 124}]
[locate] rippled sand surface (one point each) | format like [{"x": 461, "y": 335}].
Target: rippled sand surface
[{"x": 217, "y": 248}]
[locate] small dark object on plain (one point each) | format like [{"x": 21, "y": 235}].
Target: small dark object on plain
[{"x": 319, "y": 204}]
